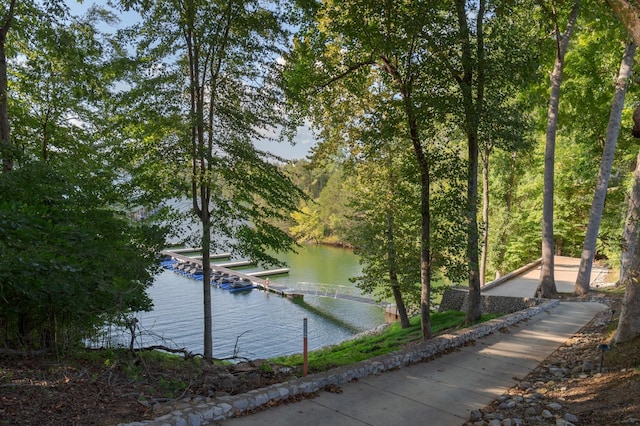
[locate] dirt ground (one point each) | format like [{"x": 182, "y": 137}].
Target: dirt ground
[{"x": 106, "y": 389}]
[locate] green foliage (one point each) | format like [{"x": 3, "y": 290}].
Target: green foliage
[
  {"x": 592, "y": 65},
  {"x": 191, "y": 125},
  {"x": 307, "y": 225},
  {"x": 69, "y": 262}
]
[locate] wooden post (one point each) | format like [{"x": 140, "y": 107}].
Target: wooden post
[{"x": 305, "y": 363}]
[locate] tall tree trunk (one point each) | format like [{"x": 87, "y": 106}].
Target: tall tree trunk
[
  {"x": 425, "y": 226},
  {"x": 425, "y": 192},
  {"x": 629, "y": 322},
  {"x": 6, "y": 148},
  {"x": 473, "y": 111},
  {"x": 393, "y": 274},
  {"x": 206, "y": 286},
  {"x": 485, "y": 216},
  {"x": 547, "y": 286},
  {"x": 629, "y": 236},
  {"x": 502, "y": 250},
  {"x": 595, "y": 216}
]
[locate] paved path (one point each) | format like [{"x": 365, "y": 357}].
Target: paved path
[
  {"x": 565, "y": 271},
  {"x": 443, "y": 391}
]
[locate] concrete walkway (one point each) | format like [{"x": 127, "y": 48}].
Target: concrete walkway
[
  {"x": 444, "y": 391},
  {"x": 565, "y": 271}
]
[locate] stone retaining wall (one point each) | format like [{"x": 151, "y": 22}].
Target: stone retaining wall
[
  {"x": 201, "y": 410},
  {"x": 455, "y": 299}
]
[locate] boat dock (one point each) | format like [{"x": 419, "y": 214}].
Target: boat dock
[{"x": 261, "y": 283}]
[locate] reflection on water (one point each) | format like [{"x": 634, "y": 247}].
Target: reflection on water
[{"x": 264, "y": 325}]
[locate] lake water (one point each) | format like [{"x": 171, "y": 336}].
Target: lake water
[{"x": 257, "y": 324}]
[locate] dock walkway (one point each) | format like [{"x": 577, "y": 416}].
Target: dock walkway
[{"x": 253, "y": 277}]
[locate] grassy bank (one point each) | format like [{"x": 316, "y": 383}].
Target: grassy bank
[{"x": 390, "y": 339}]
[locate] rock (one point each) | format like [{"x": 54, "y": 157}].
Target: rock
[
  {"x": 497, "y": 416},
  {"x": 507, "y": 405},
  {"x": 558, "y": 372},
  {"x": 475, "y": 415},
  {"x": 587, "y": 367},
  {"x": 570, "y": 418},
  {"x": 554, "y": 406},
  {"x": 547, "y": 414}
]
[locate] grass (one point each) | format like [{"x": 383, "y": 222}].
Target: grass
[{"x": 391, "y": 339}]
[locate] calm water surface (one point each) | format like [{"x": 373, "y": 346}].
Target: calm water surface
[{"x": 256, "y": 324}]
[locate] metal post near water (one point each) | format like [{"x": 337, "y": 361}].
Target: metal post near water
[{"x": 305, "y": 363}]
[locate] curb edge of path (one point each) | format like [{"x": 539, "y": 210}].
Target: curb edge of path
[{"x": 204, "y": 410}]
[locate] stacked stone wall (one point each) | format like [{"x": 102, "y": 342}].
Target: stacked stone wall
[{"x": 455, "y": 299}]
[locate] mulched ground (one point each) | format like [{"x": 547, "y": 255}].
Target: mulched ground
[{"x": 89, "y": 391}]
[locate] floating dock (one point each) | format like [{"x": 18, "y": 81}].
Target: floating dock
[
  {"x": 212, "y": 256},
  {"x": 268, "y": 273},
  {"x": 235, "y": 264},
  {"x": 253, "y": 276}
]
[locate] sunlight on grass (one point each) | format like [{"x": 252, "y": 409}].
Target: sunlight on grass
[{"x": 391, "y": 339}]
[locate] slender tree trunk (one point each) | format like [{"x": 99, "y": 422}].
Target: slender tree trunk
[
  {"x": 393, "y": 274},
  {"x": 425, "y": 225},
  {"x": 547, "y": 286},
  {"x": 629, "y": 322},
  {"x": 630, "y": 234},
  {"x": 629, "y": 14},
  {"x": 425, "y": 207},
  {"x": 473, "y": 111},
  {"x": 6, "y": 148},
  {"x": 425, "y": 250},
  {"x": 595, "y": 216},
  {"x": 502, "y": 250},
  {"x": 206, "y": 286},
  {"x": 485, "y": 217}
]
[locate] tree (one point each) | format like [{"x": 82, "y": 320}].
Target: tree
[
  {"x": 6, "y": 149},
  {"x": 221, "y": 56},
  {"x": 629, "y": 322},
  {"x": 340, "y": 45},
  {"x": 385, "y": 198},
  {"x": 547, "y": 286},
  {"x": 629, "y": 235},
  {"x": 407, "y": 50},
  {"x": 307, "y": 225},
  {"x": 70, "y": 262},
  {"x": 588, "y": 252}
]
